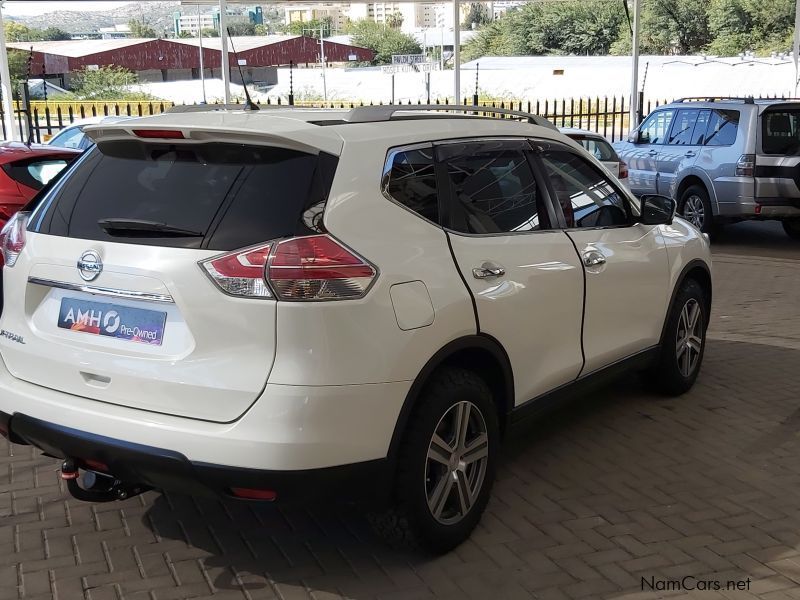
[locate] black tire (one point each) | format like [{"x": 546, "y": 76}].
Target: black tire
[
  {"x": 669, "y": 374},
  {"x": 410, "y": 522},
  {"x": 792, "y": 228},
  {"x": 692, "y": 198}
]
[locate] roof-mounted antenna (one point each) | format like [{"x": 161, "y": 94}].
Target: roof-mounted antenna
[{"x": 249, "y": 104}]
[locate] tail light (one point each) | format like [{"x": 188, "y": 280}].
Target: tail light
[
  {"x": 241, "y": 273},
  {"x": 746, "y": 165},
  {"x": 623, "y": 170},
  {"x": 316, "y": 267},
  {"x": 12, "y": 237}
]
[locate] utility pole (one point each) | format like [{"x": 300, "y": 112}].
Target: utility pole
[
  {"x": 322, "y": 57},
  {"x": 223, "y": 38},
  {"x": 457, "y": 51},
  {"x": 200, "y": 40},
  {"x": 5, "y": 81},
  {"x": 634, "y": 115}
]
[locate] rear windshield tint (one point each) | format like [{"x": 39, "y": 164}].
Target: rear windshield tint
[
  {"x": 229, "y": 195},
  {"x": 780, "y": 132}
]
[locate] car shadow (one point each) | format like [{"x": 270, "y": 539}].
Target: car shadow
[{"x": 608, "y": 494}]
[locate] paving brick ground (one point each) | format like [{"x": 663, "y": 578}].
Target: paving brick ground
[{"x": 620, "y": 487}]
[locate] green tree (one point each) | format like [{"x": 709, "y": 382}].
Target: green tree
[
  {"x": 311, "y": 28},
  {"x": 54, "y": 34},
  {"x": 477, "y": 15},
  {"x": 679, "y": 26},
  {"x": 395, "y": 20},
  {"x": 262, "y": 29},
  {"x": 237, "y": 29},
  {"x": 383, "y": 41},
  {"x": 140, "y": 29},
  {"x": 17, "y": 32},
  {"x": 106, "y": 83},
  {"x": 209, "y": 32},
  {"x": 185, "y": 35},
  {"x": 567, "y": 27}
]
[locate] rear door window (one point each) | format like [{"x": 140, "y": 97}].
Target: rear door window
[
  {"x": 699, "y": 134},
  {"x": 683, "y": 126},
  {"x": 229, "y": 195},
  {"x": 492, "y": 188},
  {"x": 780, "y": 132},
  {"x": 722, "y": 127}
]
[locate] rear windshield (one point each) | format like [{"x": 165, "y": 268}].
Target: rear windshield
[
  {"x": 215, "y": 196},
  {"x": 597, "y": 147},
  {"x": 780, "y": 132}
]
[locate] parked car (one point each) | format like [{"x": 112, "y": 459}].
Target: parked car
[
  {"x": 24, "y": 170},
  {"x": 73, "y": 136},
  {"x": 274, "y": 305},
  {"x": 599, "y": 147},
  {"x": 723, "y": 160}
]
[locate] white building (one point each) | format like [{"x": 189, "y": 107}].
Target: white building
[{"x": 415, "y": 16}]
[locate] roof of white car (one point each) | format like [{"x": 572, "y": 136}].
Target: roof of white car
[
  {"x": 581, "y": 132},
  {"x": 324, "y": 129}
]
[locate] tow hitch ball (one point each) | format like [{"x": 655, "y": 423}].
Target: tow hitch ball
[{"x": 96, "y": 487}]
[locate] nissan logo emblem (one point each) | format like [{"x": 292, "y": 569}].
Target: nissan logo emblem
[{"x": 90, "y": 265}]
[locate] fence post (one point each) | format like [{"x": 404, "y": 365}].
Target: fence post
[
  {"x": 291, "y": 83},
  {"x": 641, "y": 102}
]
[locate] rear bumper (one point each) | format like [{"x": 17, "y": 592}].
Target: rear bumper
[
  {"x": 170, "y": 470},
  {"x": 760, "y": 208},
  {"x": 291, "y": 434}
]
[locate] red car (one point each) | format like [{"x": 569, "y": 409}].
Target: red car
[{"x": 24, "y": 170}]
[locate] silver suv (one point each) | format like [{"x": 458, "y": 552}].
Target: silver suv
[{"x": 722, "y": 159}]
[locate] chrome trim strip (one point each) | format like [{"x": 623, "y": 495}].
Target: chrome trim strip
[{"x": 100, "y": 291}]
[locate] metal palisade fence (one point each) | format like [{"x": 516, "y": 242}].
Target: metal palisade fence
[{"x": 608, "y": 116}]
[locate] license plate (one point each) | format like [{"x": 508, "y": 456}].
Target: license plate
[{"x": 112, "y": 320}]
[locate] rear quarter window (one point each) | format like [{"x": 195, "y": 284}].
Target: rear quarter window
[{"x": 230, "y": 195}]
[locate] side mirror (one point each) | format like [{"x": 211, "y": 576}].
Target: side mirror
[
  {"x": 657, "y": 210},
  {"x": 639, "y": 137}
]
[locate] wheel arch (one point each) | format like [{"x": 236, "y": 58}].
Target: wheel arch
[
  {"x": 696, "y": 178},
  {"x": 698, "y": 270},
  {"x": 480, "y": 353}
]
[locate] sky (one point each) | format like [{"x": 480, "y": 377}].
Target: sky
[{"x": 38, "y": 7}]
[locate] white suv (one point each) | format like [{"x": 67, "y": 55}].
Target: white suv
[{"x": 268, "y": 305}]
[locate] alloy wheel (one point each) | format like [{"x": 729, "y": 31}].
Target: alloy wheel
[
  {"x": 689, "y": 339},
  {"x": 456, "y": 464},
  {"x": 694, "y": 211}
]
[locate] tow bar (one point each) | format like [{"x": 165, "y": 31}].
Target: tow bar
[{"x": 97, "y": 487}]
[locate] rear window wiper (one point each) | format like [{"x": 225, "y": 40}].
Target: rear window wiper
[{"x": 143, "y": 228}]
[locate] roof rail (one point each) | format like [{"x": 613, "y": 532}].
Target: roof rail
[
  {"x": 190, "y": 108},
  {"x": 371, "y": 114},
  {"x": 745, "y": 99}
]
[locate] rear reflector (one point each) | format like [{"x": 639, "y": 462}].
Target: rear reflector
[
  {"x": 159, "y": 134},
  {"x": 318, "y": 267},
  {"x": 241, "y": 272},
  {"x": 623, "y": 170},
  {"x": 95, "y": 465},
  {"x": 253, "y": 494},
  {"x": 12, "y": 237}
]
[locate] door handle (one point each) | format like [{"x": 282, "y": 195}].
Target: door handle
[
  {"x": 593, "y": 258},
  {"x": 653, "y": 152},
  {"x": 689, "y": 154},
  {"x": 488, "y": 269}
]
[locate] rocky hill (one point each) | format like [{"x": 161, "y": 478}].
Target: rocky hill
[{"x": 156, "y": 14}]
